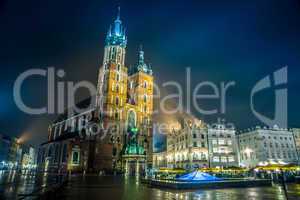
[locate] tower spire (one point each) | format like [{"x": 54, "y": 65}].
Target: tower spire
[
  {"x": 119, "y": 12},
  {"x": 141, "y": 65},
  {"x": 141, "y": 55},
  {"x": 116, "y": 34}
]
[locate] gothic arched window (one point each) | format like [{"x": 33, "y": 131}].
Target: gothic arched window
[
  {"x": 64, "y": 153},
  {"x": 50, "y": 150},
  {"x": 75, "y": 157},
  {"x": 117, "y": 101},
  {"x": 117, "y": 114},
  {"x": 56, "y": 154}
]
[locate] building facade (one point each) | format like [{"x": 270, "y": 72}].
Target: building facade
[
  {"x": 15, "y": 153},
  {"x": 263, "y": 146},
  {"x": 4, "y": 149},
  {"x": 223, "y": 146},
  {"x": 187, "y": 147},
  {"x": 296, "y": 133},
  {"x": 28, "y": 157},
  {"x": 198, "y": 145},
  {"x": 122, "y": 109}
]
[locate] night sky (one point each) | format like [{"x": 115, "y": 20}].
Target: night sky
[{"x": 241, "y": 41}]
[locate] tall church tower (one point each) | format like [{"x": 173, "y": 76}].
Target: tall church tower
[
  {"x": 116, "y": 42},
  {"x": 112, "y": 81},
  {"x": 111, "y": 96}
]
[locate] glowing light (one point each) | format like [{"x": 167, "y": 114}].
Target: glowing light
[
  {"x": 282, "y": 163},
  {"x": 248, "y": 151},
  {"x": 134, "y": 130},
  {"x": 24, "y": 137},
  {"x": 198, "y": 176}
]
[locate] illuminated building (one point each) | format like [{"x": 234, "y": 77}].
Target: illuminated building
[
  {"x": 4, "y": 147},
  {"x": 296, "y": 133},
  {"x": 28, "y": 157},
  {"x": 263, "y": 146},
  {"x": 15, "y": 152},
  {"x": 197, "y": 145},
  {"x": 223, "y": 146},
  {"x": 123, "y": 106},
  {"x": 186, "y": 147}
]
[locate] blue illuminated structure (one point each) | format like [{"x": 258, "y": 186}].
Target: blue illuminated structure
[
  {"x": 198, "y": 176},
  {"x": 116, "y": 34}
]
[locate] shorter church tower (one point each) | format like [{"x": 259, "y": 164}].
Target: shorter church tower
[{"x": 140, "y": 94}]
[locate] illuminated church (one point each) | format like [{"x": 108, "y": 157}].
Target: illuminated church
[{"x": 123, "y": 107}]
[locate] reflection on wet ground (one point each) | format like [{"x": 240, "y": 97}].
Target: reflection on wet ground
[
  {"x": 110, "y": 187},
  {"x": 15, "y": 183},
  {"x": 91, "y": 187}
]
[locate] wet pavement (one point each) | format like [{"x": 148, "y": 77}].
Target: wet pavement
[
  {"x": 94, "y": 187},
  {"x": 114, "y": 188},
  {"x": 14, "y": 184}
]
